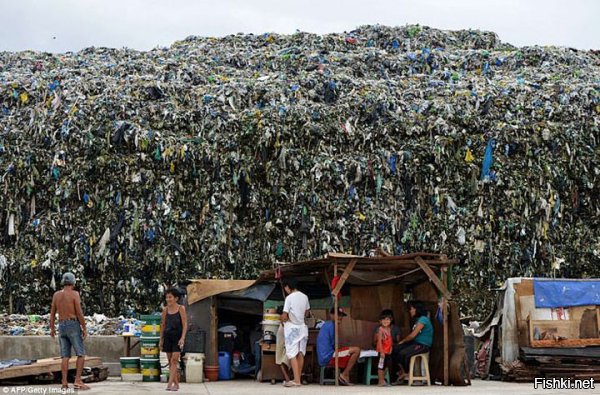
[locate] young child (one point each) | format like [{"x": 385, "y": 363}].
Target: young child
[{"x": 384, "y": 345}]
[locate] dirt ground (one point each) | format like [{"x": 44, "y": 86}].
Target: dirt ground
[{"x": 242, "y": 387}]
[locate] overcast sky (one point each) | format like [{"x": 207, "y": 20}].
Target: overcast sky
[{"x": 70, "y": 25}]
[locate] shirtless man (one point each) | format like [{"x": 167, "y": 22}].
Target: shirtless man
[{"x": 71, "y": 328}]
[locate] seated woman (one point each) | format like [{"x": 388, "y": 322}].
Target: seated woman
[{"x": 419, "y": 341}]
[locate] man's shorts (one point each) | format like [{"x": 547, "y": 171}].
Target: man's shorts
[
  {"x": 343, "y": 357},
  {"x": 70, "y": 335}
]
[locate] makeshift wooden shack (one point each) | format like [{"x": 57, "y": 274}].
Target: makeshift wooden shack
[
  {"x": 367, "y": 284},
  {"x": 381, "y": 281},
  {"x": 235, "y": 301},
  {"x": 545, "y": 327}
]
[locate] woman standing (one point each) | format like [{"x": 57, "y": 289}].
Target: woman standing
[
  {"x": 173, "y": 328},
  {"x": 418, "y": 341}
]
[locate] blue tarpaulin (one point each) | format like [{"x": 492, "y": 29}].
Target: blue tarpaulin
[{"x": 566, "y": 293}]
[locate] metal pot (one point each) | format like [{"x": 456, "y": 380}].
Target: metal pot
[{"x": 269, "y": 337}]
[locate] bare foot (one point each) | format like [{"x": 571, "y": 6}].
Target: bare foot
[
  {"x": 81, "y": 386},
  {"x": 344, "y": 380}
]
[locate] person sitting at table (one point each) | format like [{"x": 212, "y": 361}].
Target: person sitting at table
[
  {"x": 418, "y": 341},
  {"x": 347, "y": 356}
]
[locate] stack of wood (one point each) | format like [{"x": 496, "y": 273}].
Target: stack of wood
[
  {"x": 519, "y": 371},
  {"x": 577, "y": 363},
  {"x": 48, "y": 370}
]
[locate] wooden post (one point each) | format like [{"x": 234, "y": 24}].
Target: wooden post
[
  {"x": 345, "y": 274},
  {"x": 441, "y": 286},
  {"x": 598, "y": 320},
  {"x": 336, "y": 326},
  {"x": 214, "y": 322},
  {"x": 445, "y": 327}
]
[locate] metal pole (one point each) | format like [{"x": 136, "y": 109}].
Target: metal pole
[
  {"x": 336, "y": 326},
  {"x": 445, "y": 321}
]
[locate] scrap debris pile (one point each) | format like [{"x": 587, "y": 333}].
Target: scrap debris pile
[
  {"x": 574, "y": 363},
  {"x": 36, "y": 325},
  {"x": 216, "y": 157}
]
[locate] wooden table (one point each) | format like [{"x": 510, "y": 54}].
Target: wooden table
[
  {"x": 127, "y": 347},
  {"x": 270, "y": 371}
]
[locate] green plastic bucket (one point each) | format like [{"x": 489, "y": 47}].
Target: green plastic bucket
[
  {"x": 149, "y": 347},
  {"x": 130, "y": 365},
  {"x": 151, "y": 325},
  {"x": 150, "y": 369}
]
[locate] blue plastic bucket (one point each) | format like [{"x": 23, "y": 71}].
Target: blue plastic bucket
[{"x": 224, "y": 366}]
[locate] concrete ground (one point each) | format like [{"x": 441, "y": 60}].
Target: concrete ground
[{"x": 243, "y": 387}]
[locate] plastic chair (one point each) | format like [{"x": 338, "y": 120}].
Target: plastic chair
[
  {"x": 423, "y": 369},
  {"x": 322, "y": 379},
  {"x": 369, "y": 376}
]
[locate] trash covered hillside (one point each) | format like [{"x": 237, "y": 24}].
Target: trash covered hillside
[{"x": 217, "y": 157}]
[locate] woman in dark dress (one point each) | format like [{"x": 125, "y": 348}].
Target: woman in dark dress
[{"x": 173, "y": 328}]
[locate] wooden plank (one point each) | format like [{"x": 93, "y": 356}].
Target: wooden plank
[
  {"x": 566, "y": 343},
  {"x": 441, "y": 286},
  {"x": 347, "y": 270},
  {"x": 214, "y": 339},
  {"x": 586, "y": 353},
  {"x": 43, "y": 366},
  {"x": 524, "y": 288},
  {"x": 403, "y": 262},
  {"x": 445, "y": 328},
  {"x": 336, "y": 325},
  {"x": 568, "y": 329},
  {"x": 417, "y": 254},
  {"x": 530, "y": 328},
  {"x": 522, "y": 330},
  {"x": 598, "y": 318},
  {"x": 392, "y": 267}
]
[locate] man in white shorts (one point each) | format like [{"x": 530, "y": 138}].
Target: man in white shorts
[{"x": 295, "y": 330}]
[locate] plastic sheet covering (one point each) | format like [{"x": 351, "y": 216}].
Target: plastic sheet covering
[
  {"x": 566, "y": 293},
  {"x": 216, "y": 157},
  {"x": 258, "y": 292}
]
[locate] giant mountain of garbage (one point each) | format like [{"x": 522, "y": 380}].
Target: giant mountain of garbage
[{"x": 217, "y": 157}]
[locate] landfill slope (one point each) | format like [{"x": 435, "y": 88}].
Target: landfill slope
[{"x": 217, "y": 157}]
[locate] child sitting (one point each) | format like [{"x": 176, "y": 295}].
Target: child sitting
[{"x": 384, "y": 345}]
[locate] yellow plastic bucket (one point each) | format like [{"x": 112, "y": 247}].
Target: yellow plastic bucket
[
  {"x": 130, "y": 365},
  {"x": 150, "y": 369},
  {"x": 151, "y": 325},
  {"x": 151, "y": 329},
  {"x": 149, "y": 347}
]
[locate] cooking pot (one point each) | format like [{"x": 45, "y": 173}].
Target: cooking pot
[{"x": 269, "y": 337}]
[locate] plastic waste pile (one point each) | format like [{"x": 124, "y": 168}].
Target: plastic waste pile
[
  {"x": 37, "y": 325},
  {"x": 217, "y": 157}
]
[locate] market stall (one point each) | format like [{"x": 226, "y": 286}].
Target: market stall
[{"x": 366, "y": 285}]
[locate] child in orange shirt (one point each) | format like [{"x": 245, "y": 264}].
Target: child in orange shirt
[{"x": 384, "y": 346}]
